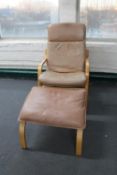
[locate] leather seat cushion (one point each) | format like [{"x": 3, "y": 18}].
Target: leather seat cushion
[
  {"x": 76, "y": 79},
  {"x": 55, "y": 107}
]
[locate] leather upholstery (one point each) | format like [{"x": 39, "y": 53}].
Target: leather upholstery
[
  {"x": 66, "y": 56},
  {"x": 62, "y": 107},
  {"x": 51, "y": 103},
  {"x": 66, "y": 32},
  {"x": 50, "y": 78}
]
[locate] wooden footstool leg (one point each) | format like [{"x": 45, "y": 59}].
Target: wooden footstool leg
[
  {"x": 79, "y": 140},
  {"x": 22, "y": 134}
]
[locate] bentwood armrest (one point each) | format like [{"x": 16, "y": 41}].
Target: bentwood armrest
[
  {"x": 87, "y": 66},
  {"x": 87, "y": 69},
  {"x": 40, "y": 66}
]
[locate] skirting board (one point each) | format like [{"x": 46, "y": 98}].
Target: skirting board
[{"x": 32, "y": 74}]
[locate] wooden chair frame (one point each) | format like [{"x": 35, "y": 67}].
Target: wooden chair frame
[{"x": 22, "y": 134}]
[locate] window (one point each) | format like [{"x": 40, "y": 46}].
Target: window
[
  {"x": 100, "y": 16},
  {"x": 27, "y": 18}
]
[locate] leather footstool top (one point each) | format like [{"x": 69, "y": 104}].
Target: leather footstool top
[{"x": 62, "y": 107}]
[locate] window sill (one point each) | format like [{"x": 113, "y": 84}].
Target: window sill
[
  {"x": 19, "y": 41},
  {"x": 27, "y": 53}
]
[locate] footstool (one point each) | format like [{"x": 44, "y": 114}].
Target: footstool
[{"x": 60, "y": 107}]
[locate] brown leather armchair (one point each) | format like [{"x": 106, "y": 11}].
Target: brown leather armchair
[{"x": 65, "y": 82}]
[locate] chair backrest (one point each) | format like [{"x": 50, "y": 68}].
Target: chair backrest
[{"x": 66, "y": 47}]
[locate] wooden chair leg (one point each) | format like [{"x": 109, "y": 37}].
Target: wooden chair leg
[
  {"x": 22, "y": 134},
  {"x": 79, "y": 140}
]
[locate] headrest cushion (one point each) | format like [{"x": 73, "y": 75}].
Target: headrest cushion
[{"x": 66, "y": 32}]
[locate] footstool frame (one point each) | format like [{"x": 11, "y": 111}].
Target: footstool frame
[{"x": 23, "y": 142}]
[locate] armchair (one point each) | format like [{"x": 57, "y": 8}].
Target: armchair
[{"x": 65, "y": 82}]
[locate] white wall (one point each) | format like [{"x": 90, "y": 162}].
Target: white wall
[{"x": 28, "y": 53}]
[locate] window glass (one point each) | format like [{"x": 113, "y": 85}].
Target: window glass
[
  {"x": 27, "y": 18},
  {"x": 100, "y": 17}
]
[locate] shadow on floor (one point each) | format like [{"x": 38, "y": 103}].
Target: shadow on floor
[
  {"x": 62, "y": 141},
  {"x": 94, "y": 143}
]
